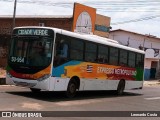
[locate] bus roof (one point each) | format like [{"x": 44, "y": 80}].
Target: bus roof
[{"x": 92, "y": 38}]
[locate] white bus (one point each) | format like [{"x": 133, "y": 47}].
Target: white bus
[{"x": 51, "y": 59}]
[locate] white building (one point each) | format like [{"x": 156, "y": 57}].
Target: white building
[{"x": 149, "y": 43}]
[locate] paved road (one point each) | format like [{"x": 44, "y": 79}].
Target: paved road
[{"x": 14, "y": 98}]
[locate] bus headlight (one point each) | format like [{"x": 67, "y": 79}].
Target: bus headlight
[{"x": 43, "y": 77}]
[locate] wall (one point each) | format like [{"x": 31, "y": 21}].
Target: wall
[
  {"x": 103, "y": 24},
  {"x": 147, "y": 69},
  {"x": 64, "y": 23}
]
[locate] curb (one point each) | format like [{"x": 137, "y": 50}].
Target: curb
[
  {"x": 2, "y": 81},
  {"x": 151, "y": 83}
]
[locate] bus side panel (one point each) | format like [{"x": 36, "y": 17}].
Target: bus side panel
[
  {"x": 112, "y": 84},
  {"x": 95, "y": 84},
  {"x": 133, "y": 85},
  {"x": 58, "y": 84},
  {"x": 90, "y": 84},
  {"x": 95, "y": 76}
]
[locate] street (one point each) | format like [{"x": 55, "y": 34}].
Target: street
[{"x": 13, "y": 98}]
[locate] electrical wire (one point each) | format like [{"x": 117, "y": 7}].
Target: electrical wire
[
  {"x": 136, "y": 20},
  {"x": 109, "y": 6}
]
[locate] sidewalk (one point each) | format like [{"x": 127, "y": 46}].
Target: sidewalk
[{"x": 152, "y": 82}]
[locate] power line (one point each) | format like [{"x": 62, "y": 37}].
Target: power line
[
  {"x": 120, "y": 6},
  {"x": 40, "y": 2},
  {"x": 108, "y": 6},
  {"x": 102, "y": 3},
  {"x": 136, "y": 20}
]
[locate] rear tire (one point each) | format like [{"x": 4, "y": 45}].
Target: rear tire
[
  {"x": 35, "y": 90},
  {"x": 120, "y": 88},
  {"x": 72, "y": 89}
]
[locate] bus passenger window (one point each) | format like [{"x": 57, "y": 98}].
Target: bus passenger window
[
  {"x": 63, "y": 49},
  {"x": 113, "y": 56},
  {"x": 131, "y": 59},
  {"x": 102, "y": 54},
  {"x": 61, "y": 54},
  {"x": 76, "y": 49},
  {"x": 123, "y": 58},
  {"x": 139, "y": 61},
  {"x": 90, "y": 52}
]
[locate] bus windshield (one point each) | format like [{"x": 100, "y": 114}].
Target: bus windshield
[{"x": 31, "y": 51}]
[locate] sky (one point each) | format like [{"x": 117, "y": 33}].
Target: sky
[{"x": 140, "y": 16}]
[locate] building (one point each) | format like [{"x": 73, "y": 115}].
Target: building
[
  {"x": 102, "y": 25},
  {"x": 149, "y": 43}
]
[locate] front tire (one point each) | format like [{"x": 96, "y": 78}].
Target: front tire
[{"x": 72, "y": 89}]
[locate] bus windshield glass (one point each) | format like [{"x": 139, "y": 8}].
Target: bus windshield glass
[{"x": 31, "y": 51}]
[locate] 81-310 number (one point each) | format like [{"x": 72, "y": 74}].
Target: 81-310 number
[{"x": 17, "y": 59}]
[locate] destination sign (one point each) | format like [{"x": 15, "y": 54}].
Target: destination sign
[
  {"x": 33, "y": 31},
  {"x": 43, "y": 32}
]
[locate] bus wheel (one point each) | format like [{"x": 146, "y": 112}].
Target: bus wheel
[
  {"x": 35, "y": 90},
  {"x": 120, "y": 88},
  {"x": 71, "y": 90}
]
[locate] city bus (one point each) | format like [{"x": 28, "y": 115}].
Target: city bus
[{"x": 52, "y": 59}]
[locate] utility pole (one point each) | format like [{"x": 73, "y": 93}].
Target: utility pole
[{"x": 14, "y": 15}]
